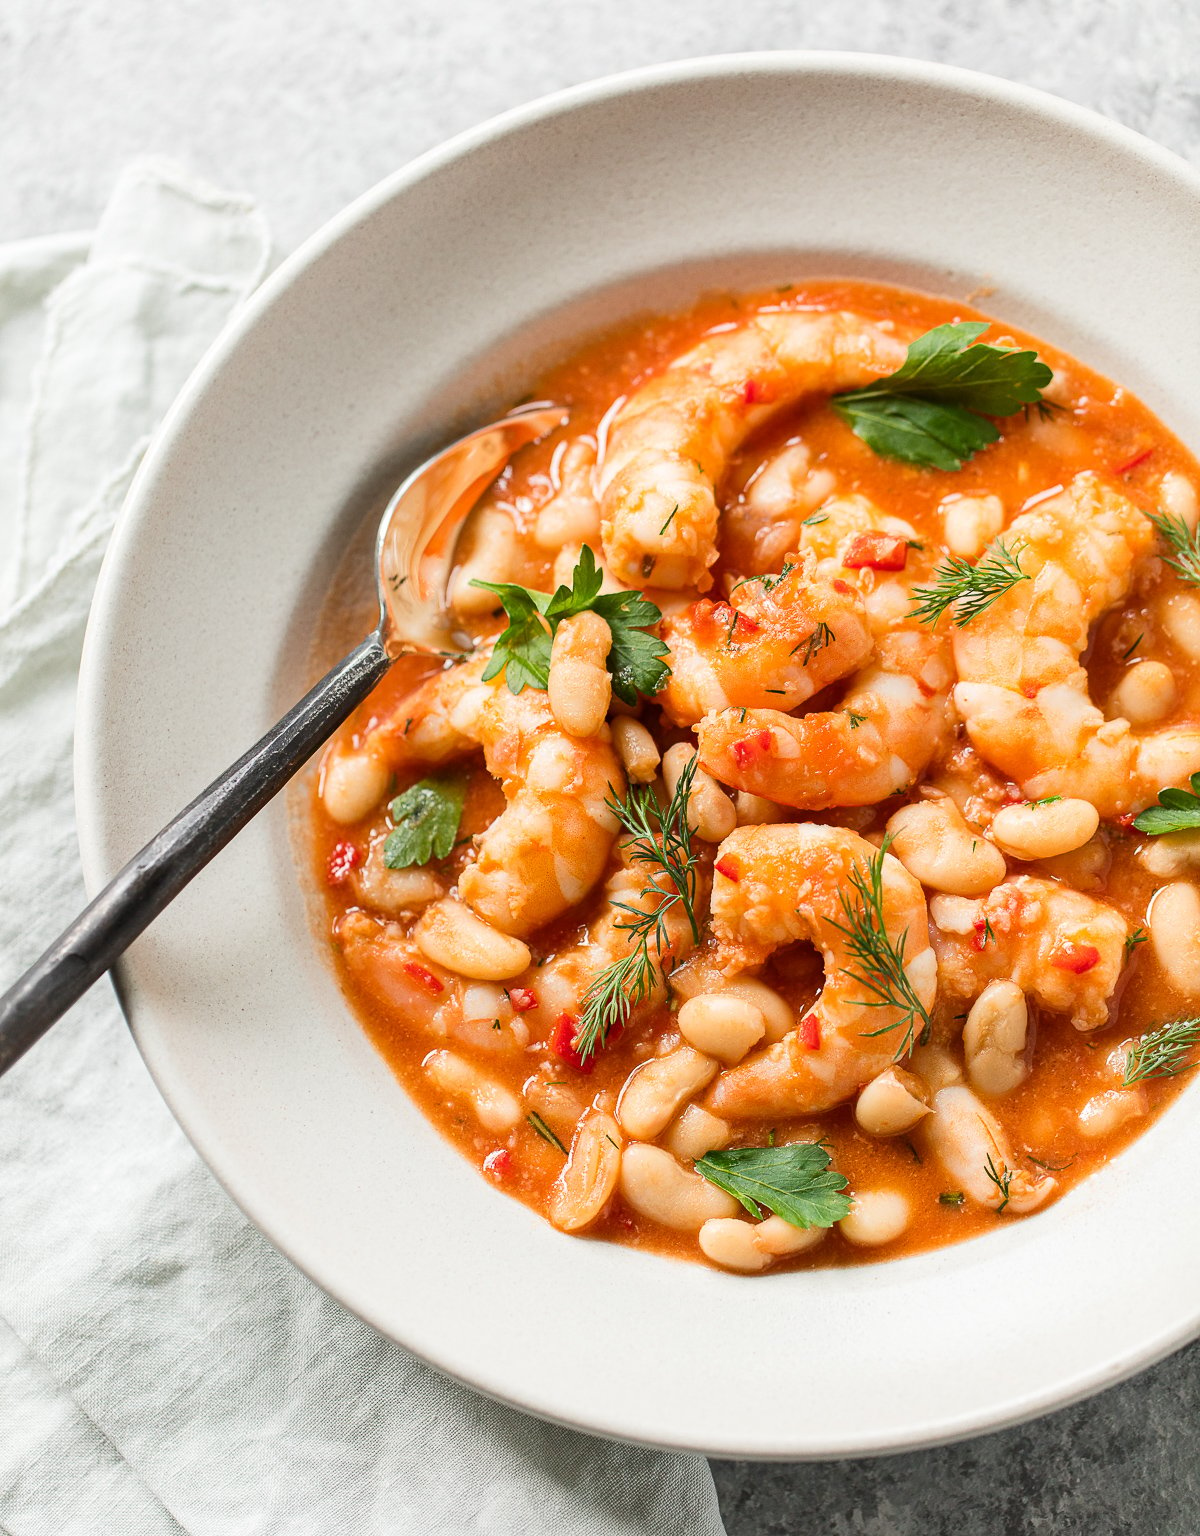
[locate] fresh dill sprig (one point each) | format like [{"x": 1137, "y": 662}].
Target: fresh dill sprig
[
  {"x": 537, "y": 1124},
  {"x": 1138, "y": 936},
  {"x": 879, "y": 959},
  {"x": 1002, "y": 1178},
  {"x": 1184, "y": 541},
  {"x": 965, "y": 589},
  {"x": 1163, "y": 1052},
  {"x": 817, "y": 641},
  {"x": 660, "y": 839}
]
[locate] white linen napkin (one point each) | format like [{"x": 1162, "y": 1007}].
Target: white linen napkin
[{"x": 162, "y": 1368}]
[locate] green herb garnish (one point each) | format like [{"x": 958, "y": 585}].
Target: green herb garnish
[
  {"x": 1163, "y": 1052},
  {"x": 877, "y": 961},
  {"x": 660, "y": 840},
  {"x": 1002, "y": 1178},
  {"x": 1177, "y": 811},
  {"x": 426, "y": 818},
  {"x": 793, "y": 1181},
  {"x": 1184, "y": 543},
  {"x": 951, "y": 1197},
  {"x": 543, "y": 1130},
  {"x": 966, "y": 589},
  {"x": 817, "y": 641},
  {"x": 1138, "y": 936},
  {"x": 933, "y": 411},
  {"x": 522, "y": 651}
]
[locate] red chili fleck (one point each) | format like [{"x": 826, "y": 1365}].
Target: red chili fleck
[
  {"x": 979, "y": 942},
  {"x": 427, "y": 979},
  {"x": 1076, "y": 957},
  {"x": 1129, "y": 464},
  {"x": 344, "y": 858},
  {"x": 879, "y": 551},
  {"x": 747, "y": 623},
  {"x": 498, "y": 1163},
  {"x": 810, "y": 1031},
  {"x": 1029, "y": 690},
  {"x": 752, "y": 746},
  {"x": 562, "y": 1043},
  {"x": 522, "y": 999},
  {"x": 841, "y": 586},
  {"x": 729, "y": 869},
  {"x": 1126, "y": 822},
  {"x": 754, "y": 393}
]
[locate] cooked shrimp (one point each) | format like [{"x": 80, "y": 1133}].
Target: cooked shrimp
[
  {"x": 776, "y": 885},
  {"x": 1023, "y": 690},
  {"x": 1059, "y": 946},
  {"x": 670, "y": 443},
  {"x": 888, "y": 724},
  {"x": 765, "y": 522},
  {"x": 776, "y": 642},
  {"x": 550, "y": 845}
]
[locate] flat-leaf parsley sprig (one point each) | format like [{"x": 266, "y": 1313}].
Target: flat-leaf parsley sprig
[
  {"x": 877, "y": 960},
  {"x": 1163, "y": 1052},
  {"x": 660, "y": 840},
  {"x": 426, "y": 817},
  {"x": 966, "y": 590},
  {"x": 794, "y": 1181},
  {"x": 1178, "y": 810},
  {"x": 933, "y": 411},
  {"x": 522, "y": 651}
]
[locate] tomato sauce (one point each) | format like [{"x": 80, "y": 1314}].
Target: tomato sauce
[{"x": 1099, "y": 427}]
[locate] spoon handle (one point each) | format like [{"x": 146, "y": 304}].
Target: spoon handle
[{"x": 155, "y": 876}]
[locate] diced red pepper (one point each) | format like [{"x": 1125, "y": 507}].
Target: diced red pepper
[
  {"x": 1076, "y": 957},
  {"x": 810, "y": 1031},
  {"x": 756, "y": 393},
  {"x": 1029, "y": 690},
  {"x": 1129, "y": 464},
  {"x": 841, "y": 586},
  {"x": 752, "y": 746},
  {"x": 343, "y": 858},
  {"x": 562, "y": 1043},
  {"x": 979, "y": 942},
  {"x": 427, "y": 979},
  {"x": 729, "y": 869},
  {"x": 1126, "y": 821},
  {"x": 498, "y": 1163},
  {"x": 876, "y": 550},
  {"x": 522, "y": 999}
]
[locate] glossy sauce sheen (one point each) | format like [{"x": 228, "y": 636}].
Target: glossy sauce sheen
[{"x": 1106, "y": 430}]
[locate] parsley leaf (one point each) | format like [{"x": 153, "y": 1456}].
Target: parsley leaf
[
  {"x": 933, "y": 411},
  {"x": 522, "y": 651},
  {"x": 1176, "y": 811},
  {"x": 426, "y": 815},
  {"x": 794, "y": 1181}
]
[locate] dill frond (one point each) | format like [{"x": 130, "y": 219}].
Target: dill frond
[
  {"x": 1185, "y": 561},
  {"x": 966, "y": 590},
  {"x": 1163, "y": 1052}
]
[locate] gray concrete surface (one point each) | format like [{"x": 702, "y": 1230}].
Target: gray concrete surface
[{"x": 305, "y": 103}]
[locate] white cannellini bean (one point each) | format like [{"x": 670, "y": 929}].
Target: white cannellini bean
[
  {"x": 580, "y": 688},
  {"x": 711, "y": 813},
  {"x": 353, "y": 784},
  {"x": 966, "y": 1138},
  {"x": 1171, "y": 854},
  {"x": 748, "y": 1247},
  {"x": 1174, "y": 922},
  {"x": 589, "y": 1177},
  {"x": 971, "y": 523},
  {"x": 493, "y": 556},
  {"x": 1044, "y": 831},
  {"x": 1180, "y": 618},
  {"x": 994, "y": 1039},
  {"x": 655, "y": 1092},
  {"x": 1177, "y": 496},
  {"x": 394, "y": 890},
  {"x": 636, "y": 748},
  {"x": 892, "y": 1103},
  {"x": 778, "y": 1015},
  {"x": 492, "y": 1104},
  {"x": 1145, "y": 694},
  {"x": 1105, "y": 1112},
  {"x": 934, "y": 843},
  {"x": 754, "y": 811},
  {"x": 878, "y": 1216},
  {"x": 696, "y": 1132},
  {"x": 723, "y": 1025},
  {"x": 657, "y": 1187},
  {"x": 450, "y": 934}
]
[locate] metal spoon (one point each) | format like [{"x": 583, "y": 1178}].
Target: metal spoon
[{"x": 414, "y": 554}]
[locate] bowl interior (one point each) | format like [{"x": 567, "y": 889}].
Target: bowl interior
[{"x": 427, "y": 305}]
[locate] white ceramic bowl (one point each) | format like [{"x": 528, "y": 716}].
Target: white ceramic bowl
[{"x": 425, "y": 306}]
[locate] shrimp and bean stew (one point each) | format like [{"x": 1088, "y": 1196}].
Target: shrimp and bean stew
[{"x": 802, "y": 865}]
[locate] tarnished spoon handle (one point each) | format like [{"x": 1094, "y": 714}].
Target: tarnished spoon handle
[{"x": 155, "y": 876}]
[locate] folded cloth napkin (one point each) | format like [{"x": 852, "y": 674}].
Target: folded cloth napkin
[{"x": 163, "y": 1368}]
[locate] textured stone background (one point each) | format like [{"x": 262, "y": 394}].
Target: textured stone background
[{"x": 305, "y": 103}]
